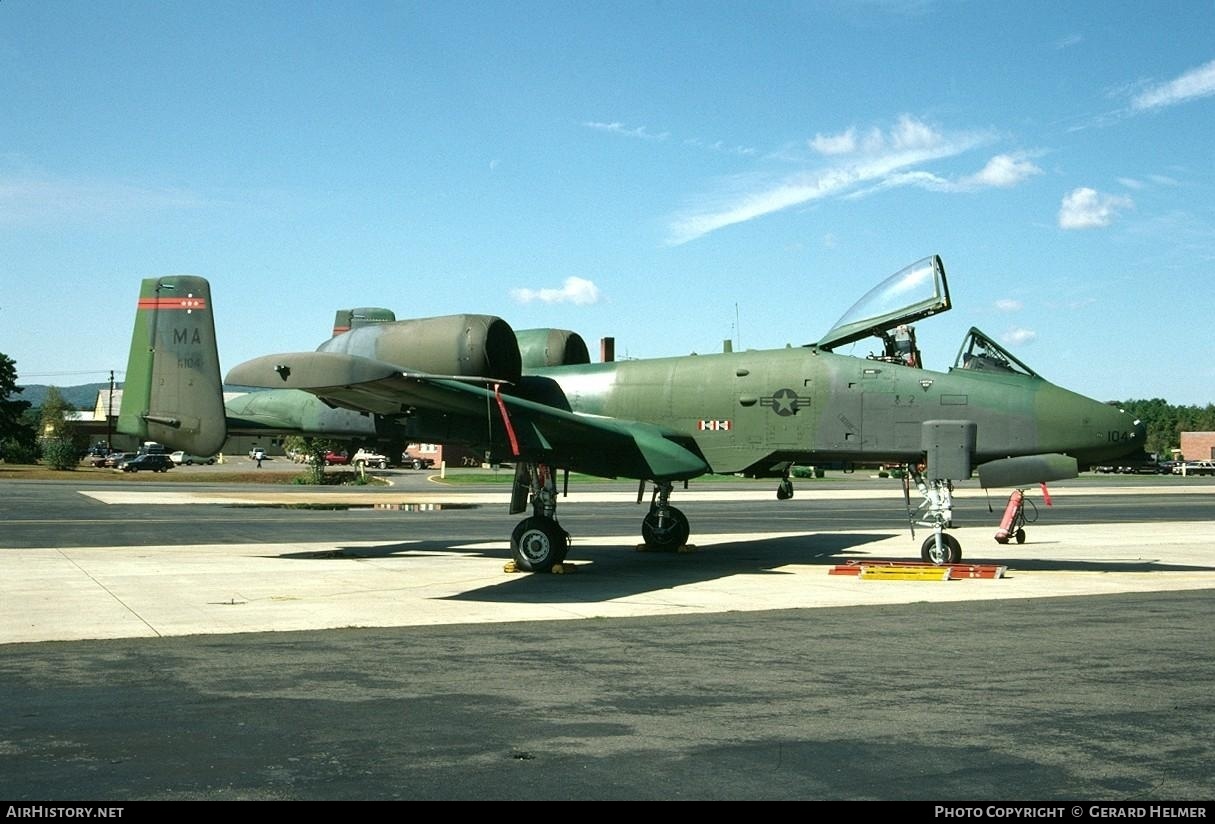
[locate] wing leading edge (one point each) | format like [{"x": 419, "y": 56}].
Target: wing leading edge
[{"x": 534, "y": 431}]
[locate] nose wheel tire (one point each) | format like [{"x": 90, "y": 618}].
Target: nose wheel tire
[
  {"x": 672, "y": 533},
  {"x": 538, "y": 544},
  {"x": 950, "y": 551}
]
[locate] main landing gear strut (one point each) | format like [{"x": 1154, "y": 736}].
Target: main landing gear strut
[
  {"x": 664, "y": 527},
  {"x": 539, "y": 542},
  {"x": 940, "y": 547}
]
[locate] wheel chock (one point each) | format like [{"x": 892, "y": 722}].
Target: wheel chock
[{"x": 557, "y": 569}]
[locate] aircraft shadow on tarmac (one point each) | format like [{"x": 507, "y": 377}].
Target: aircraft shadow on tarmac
[
  {"x": 611, "y": 572},
  {"x": 1016, "y": 565}
]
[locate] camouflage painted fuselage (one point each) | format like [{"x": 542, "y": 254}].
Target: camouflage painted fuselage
[
  {"x": 758, "y": 411},
  {"x": 463, "y": 379}
]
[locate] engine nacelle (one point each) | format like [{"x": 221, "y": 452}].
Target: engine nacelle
[
  {"x": 551, "y": 347},
  {"x": 467, "y": 345}
]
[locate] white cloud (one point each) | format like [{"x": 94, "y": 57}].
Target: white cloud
[
  {"x": 873, "y": 141},
  {"x": 575, "y": 290},
  {"x": 721, "y": 147},
  {"x": 1009, "y": 305},
  {"x": 1195, "y": 83},
  {"x": 1018, "y": 336},
  {"x": 1159, "y": 180},
  {"x": 879, "y": 158},
  {"x": 910, "y": 133},
  {"x": 1069, "y": 41},
  {"x": 838, "y": 144},
  {"x": 1002, "y": 171},
  {"x": 1086, "y": 208},
  {"x": 619, "y": 128},
  {"x": 924, "y": 180}
]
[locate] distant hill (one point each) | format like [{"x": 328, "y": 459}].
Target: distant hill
[{"x": 83, "y": 396}]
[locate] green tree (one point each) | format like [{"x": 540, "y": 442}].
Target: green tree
[
  {"x": 17, "y": 437},
  {"x": 61, "y": 442},
  {"x": 1165, "y": 422},
  {"x": 315, "y": 449}
]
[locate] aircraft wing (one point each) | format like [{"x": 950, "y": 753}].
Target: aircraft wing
[{"x": 499, "y": 415}]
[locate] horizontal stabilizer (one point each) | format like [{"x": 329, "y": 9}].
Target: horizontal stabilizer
[
  {"x": 1027, "y": 470},
  {"x": 309, "y": 370}
]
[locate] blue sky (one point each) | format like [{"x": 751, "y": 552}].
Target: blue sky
[{"x": 673, "y": 174}]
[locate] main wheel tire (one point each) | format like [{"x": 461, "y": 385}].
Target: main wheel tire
[
  {"x": 538, "y": 544},
  {"x": 950, "y": 552},
  {"x": 670, "y": 535}
]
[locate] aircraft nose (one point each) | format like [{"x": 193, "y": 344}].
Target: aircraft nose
[{"x": 1130, "y": 433}]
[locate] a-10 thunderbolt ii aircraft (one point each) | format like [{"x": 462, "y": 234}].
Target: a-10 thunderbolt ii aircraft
[{"x": 534, "y": 398}]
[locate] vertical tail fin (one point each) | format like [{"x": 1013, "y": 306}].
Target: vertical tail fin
[{"x": 173, "y": 391}]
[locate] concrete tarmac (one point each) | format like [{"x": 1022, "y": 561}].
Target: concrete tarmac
[{"x": 241, "y": 665}]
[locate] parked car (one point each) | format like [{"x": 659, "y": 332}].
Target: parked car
[
  {"x": 257, "y": 454},
  {"x": 98, "y": 459},
  {"x": 97, "y": 454},
  {"x": 180, "y": 458},
  {"x": 1194, "y": 468},
  {"x": 151, "y": 461},
  {"x": 410, "y": 457},
  {"x": 336, "y": 459},
  {"x": 367, "y": 458},
  {"x": 115, "y": 459}
]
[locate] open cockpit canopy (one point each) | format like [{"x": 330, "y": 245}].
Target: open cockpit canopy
[{"x": 914, "y": 292}]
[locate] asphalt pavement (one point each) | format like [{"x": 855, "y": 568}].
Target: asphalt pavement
[{"x": 739, "y": 671}]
